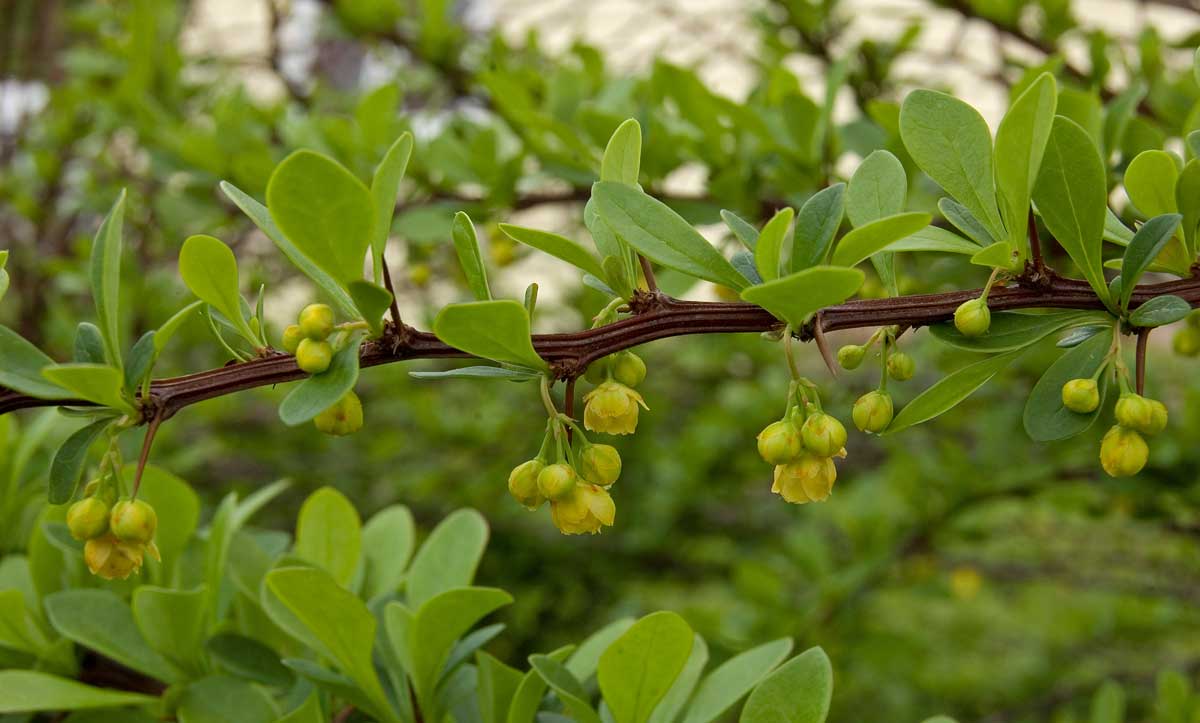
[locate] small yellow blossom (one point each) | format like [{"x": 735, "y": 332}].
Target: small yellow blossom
[
  {"x": 612, "y": 408},
  {"x": 585, "y": 510},
  {"x": 808, "y": 479}
]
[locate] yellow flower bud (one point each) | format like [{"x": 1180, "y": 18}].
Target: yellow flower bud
[
  {"x": 1123, "y": 452},
  {"x": 113, "y": 559},
  {"x": 345, "y": 416},
  {"x": 779, "y": 442},
  {"x": 1158, "y": 420},
  {"x": 133, "y": 521},
  {"x": 523, "y": 486},
  {"x": 600, "y": 464},
  {"x": 1135, "y": 412},
  {"x": 291, "y": 338},
  {"x": 1081, "y": 395},
  {"x": 823, "y": 434},
  {"x": 851, "y": 356},
  {"x": 316, "y": 321},
  {"x": 557, "y": 481},
  {"x": 313, "y": 357},
  {"x": 88, "y": 518},
  {"x": 972, "y": 317},
  {"x": 628, "y": 368},
  {"x": 807, "y": 479},
  {"x": 612, "y": 408},
  {"x": 900, "y": 366},
  {"x": 584, "y": 511},
  {"x": 873, "y": 412}
]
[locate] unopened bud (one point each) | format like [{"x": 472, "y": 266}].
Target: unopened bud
[
  {"x": 1123, "y": 452},
  {"x": 873, "y": 412},
  {"x": 823, "y": 434},
  {"x": 851, "y": 356},
  {"x": 1081, "y": 395},
  {"x": 972, "y": 317}
]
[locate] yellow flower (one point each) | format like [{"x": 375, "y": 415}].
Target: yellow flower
[
  {"x": 114, "y": 559},
  {"x": 585, "y": 510},
  {"x": 612, "y": 408},
  {"x": 808, "y": 479}
]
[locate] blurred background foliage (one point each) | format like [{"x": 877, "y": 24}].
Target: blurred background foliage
[{"x": 959, "y": 567}]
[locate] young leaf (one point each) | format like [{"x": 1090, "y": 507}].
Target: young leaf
[
  {"x": 385, "y": 186},
  {"x": 1150, "y": 183},
  {"x": 669, "y": 708},
  {"x": 105, "y": 276},
  {"x": 951, "y": 143},
  {"x": 1045, "y": 417},
  {"x": 744, "y": 232},
  {"x": 466, "y": 245},
  {"x": 1143, "y": 249},
  {"x": 878, "y": 188},
  {"x": 623, "y": 155},
  {"x": 796, "y": 296},
  {"x": 89, "y": 344},
  {"x": 568, "y": 690},
  {"x": 1115, "y": 230},
  {"x": 949, "y": 391},
  {"x": 557, "y": 246},
  {"x": 388, "y": 539},
  {"x": 320, "y": 391},
  {"x": 324, "y": 210},
  {"x": 932, "y": 238},
  {"x": 816, "y": 225},
  {"x": 98, "y": 383},
  {"x": 1020, "y": 144},
  {"x": 498, "y": 684},
  {"x": 962, "y": 219},
  {"x": 140, "y": 362},
  {"x": 1077, "y": 336},
  {"x": 999, "y": 255},
  {"x": 770, "y": 245},
  {"x": 21, "y": 366},
  {"x": 28, "y": 691},
  {"x": 639, "y": 667},
  {"x": 862, "y": 242},
  {"x": 1072, "y": 195},
  {"x": 210, "y": 270},
  {"x": 69, "y": 459},
  {"x": 733, "y": 679},
  {"x": 586, "y": 658},
  {"x": 496, "y": 330},
  {"x": 1011, "y": 330},
  {"x": 1159, "y": 311},
  {"x": 797, "y": 692},
  {"x": 329, "y": 534},
  {"x": 448, "y": 558},
  {"x": 1187, "y": 197},
  {"x": 372, "y": 301},
  {"x": 439, "y": 622},
  {"x": 660, "y": 234}
]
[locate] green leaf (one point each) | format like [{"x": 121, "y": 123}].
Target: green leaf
[
  {"x": 172, "y": 622},
  {"x": 1159, "y": 311},
  {"x": 999, "y": 255},
  {"x": 660, "y": 234},
  {"x": 496, "y": 330},
  {"x": 795, "y": 297},
  {"x": 89, "y": 344},
  {"x": 669, "y": 708},
  {"x": 439, "y": 622},
  {"x": 1149, "y": 240},
  {"x": 639, "y": 667},
  {"x": 497, "y": 686},
  {"x": 385, "y": 187},
  {"x": 528, "y": 698},
  {"x": 934, "y": 239},
  {"x": 372, "y": 301},
  {"x": 98, "y": 383},
  {"x": 1020, "y": 144},
  {"x": 226, "y": 522},
  {"x": 69, "y": 460},
  {"x": 1045, "y": 417},
  {"x": 27, "y": 691},
  {"x": 326, "y": 212},
  {"x": 4, "y": 281},
  {"x": 1150, "y": 183},
  {"x": 856, "y": 246},
  {"x": 448, "y": 558},
  {"x": 320, "y": 391},
  {"x": 770, "y": 245},
  {"x": 1108, "y": 705},
  {"x": 348, "y": 636},
  {"x": 262, "y": 218},
  {"x": 466, "y": 245},
  {"x": 586, "y": 657},
  {"x": 951, "y": 143},
  {"x": 623, "y": 154},
  {"x": 140, "y": 362},
  {"x": 1011, "y": 330},
  {"x": 250, "y": 659},
  {"x": 480, "y": 372},
  {"x": 878, "y": 188},
  {"x": 177, "y": 505},
  {"x": 569, "y": 690},
  {"x": 105, "y": 277},
  {"x": 21, "y": 365},
  {"x": 962, "y": 219},
  {"x": 816, "y": 225},
  {"x": 210, "y": 270},
  {"x": 797, "y": 692},
  {"x": 557, "y": 246},
  {"x": 334, "y": 683},
  {"x": 19, "y": 629},
  {"x": 733, "y": 679},
  {"x": 388, "y": 539},
  {"x": 1187, "y": 197},
  {"x": 101, "y": 621},
  {"x": 949, "y": 391},
  {"x": 164, "y": 333},
  {"x": 741, "y": 228},
  {"x": 308, "y": 712},
  {"x": 1072, "y": 196},
  {"x": 220, "y": 698},
  {"x": 329, "y": 534},
  {"x": 1115, "y": 230}
]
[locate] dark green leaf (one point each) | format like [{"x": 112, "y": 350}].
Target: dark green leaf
[
  {"x": 797, "y": 692},
  {"x": 1149, "y": 240},
  {"x": 1020, "y": 144},
  {"x": 949, "y": 391},
  {"x": 105, "y": 276},
  {"x": 962, "y": 219},
  {"x": 466, "y": 245},
  {"x": 878, "y": 188},
  {"x": 69, "y": 460},
  {"x": 1045, "y": 417},
  {"x": 89, "y": 344},
  {"x": 796, "y": 296},
  {"x": 140, "y": 362},
  {"x": 569, "y": 690},
  {"x": 1159, "y": 311},
  {"x": 320, "y": 391},
  {"x": 1014, "y": 329},
  {"x": 21, "y": 365},
  {"x": 816, "y": 225}
]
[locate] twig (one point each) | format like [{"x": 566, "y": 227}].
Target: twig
[
  {"x": 651, "y": 284},
  {"x": 147, "y": 442},
  {"x": 387, "y": 282},
  {"x": 1143, "y": 336}
]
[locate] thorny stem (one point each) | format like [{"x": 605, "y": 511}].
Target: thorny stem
[
  {"x": 387, "y": 283},
  {"x": 151, "y": 430},
  {"x": 651, "y": 284}
]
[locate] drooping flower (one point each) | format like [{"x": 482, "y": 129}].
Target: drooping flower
[{"x": 612, "y": 408}]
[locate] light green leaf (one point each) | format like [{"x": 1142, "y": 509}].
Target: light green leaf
[
  {"x": 795, "y": 297},
  {"x": 856, "y": 246},
  {"x": 934, "y": 239},
  {"x": 639, "y": 667},
  {"x": 568, "y": 690},
  {"x": 733, "y": 679},
  {"x": 660, "y": 234},
  {"x": 497, "y": 685},
  {"x": 496, "y": 330},
  {"x": 669, "y": 708},
  {"x": 623, "y": 154},
  {"x": 1149, "y": 240},
  {"x": 1187, "y": 197},
  {"x": 557, "y": 246},
  {"x": 320, "y": 391},
  {"x": 466, "y": 245},
  {"x": 105, "y": 276},
  {"x": 586, "y": 657},
  {"x": 101, "y": 621},
  {"x": 329, "y": 534},
  {"x": 770, "y": 245},
  {"x": 19, "y": 629},
  {"x": 98, "y": 383},
  {"x": 3, "y": 274},
  {"x": 1045, "y": 417},
  {"x": 1012, "y": 330},
  {"x": 741, "y": 228},
  {"x": 385, "y": 187},
  {"x": 220, "y": 699},
  {"x": 177, "y": 505},
  {"x": 228, "y": 519},
  {"x": 1150, "y": 183},
  {"x": 951, "y": 143},
  {"x": 388, "y": 539},
  {"x": 962, "y": 219},
  {"x": 528, "y": 698},
  {"x": 949, "y": 391},
  {"x": 449, "y": 556},
  {"x": 797, "y": 692},
  {"x": 1159, "y": 311},
  {"x": 69, "y": 460},
  {"x": 372, "y": 301},
  {"x": 209, "y": 269},
  {"x": 308, "y": 712},
  {"x": 999, "y": 255},
  {"x": 326, "y": 212},
  {"x": 439, "y": 622},
  {"x": 1115, "y": 230},
  {"x": 878, "y": 188},
  {"x": 172, "y": 622},
  {"x": 21, "y": 365},
  {"x": 1072, "y": 195},
  {"x": 140, "y": 361},
  {"x": 816, "y": 225},
  {"x": 1020, "y": 144},
  {"x": 28, "y": 691},
  {"x": 1108, "y": 705}
]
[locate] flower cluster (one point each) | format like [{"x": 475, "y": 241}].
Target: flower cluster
[
  {"x": 612, "y": 407},
  {"x": 1123, "y": 451},
  {"x": 117, "y": 536},
  {"x": 575, "y": 484},
  {"x": 802, "y": 446},
  {"x": 308, "y": 340}
]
